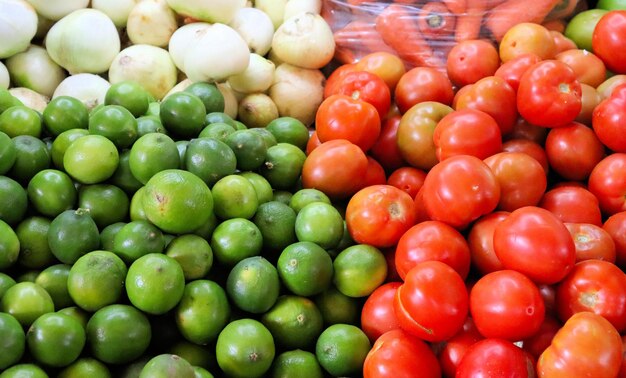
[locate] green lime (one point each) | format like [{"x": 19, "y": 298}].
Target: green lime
[
  {"x": 24, "y": 370},
  {"x": 9, "y": 246},
  {"x": 26, "y": 301},
  {"x": 72, "y": 234},
  {"x": 181, "y": 146},
  {"x": 118, "y": 334},
  {"x": 283, "y": 165},
  {"x": 123, "y": 177},
  {"x": 283, "y": 196},
  {"x": 65, "y": 113},
  {"x": 27, "y": 276},
  {"x": 54, "y": 280},
  {"x": 219, "y": 117},
  {"x": 217, "y": 130},
  {"x": 262, "y": 187},
  {"x": 206, "y": 230},
  {"x": 55, "y": 339},
  {"x": 296, "y": 363},
  {"x": 107, "y": 235},
  {"x": 295, "y": 322},
  {"x": 236, "y": 239},
  {"x": 245, "y": 348},
  {"x": 136, "y": 239},
  {"x": 341, "y": 349},
  {"x": 177, "y": 201},
  {"x": 276, "y": 222},
  {"x": 12, "y": 341},
  {"x": 61, "y": 142},
  {"x": 77, "y": 313},
  {"x": 51, "y": 192},
  {"x": 91, "y": 159},
  {"x": 197, "y": 355},
  {"x": 359, "y": 270},
  {"x": 136, "y": 205},
  {"x": 130, "y": 95},
  {"x": 85, "y": 367},
  {"x": 32, "y": 156},
  {"x": 289, "y": 130},
  {"x": 305, "y": 268},
  {"x": 149, "y": 124},
  {"x": 320, "y": 223},
  {"x": 133, "y": 369},
  {"x": 20, "y": 120},
  {"x": 98, "y": 198},
  {"x": 96, "y": 280},
  {"x": 115, "y": 123},
  {"x": 154, "y": 108},
  {"x": 155, "y": 283},
  {"x": 7, "y": 100},
  {"x": 249, "y": 148},
  {"x": 8, "y": 153},
  {"x": 303, "y": 197},
  {"x": 193, "y": 253},
  {"x": 234, "y": 197},
  {"x": 253, "y": 285},
  {"x": 201, "y": 372},
  {"x": 13, "y": 200},
  {"x": 35, "y": 251},
  {"x": 337, "y": 307},
  {"x": 268, "y": 137},
  {"x": 345, "y": 242},
  {"x": 6, "y": 282},
  {"x": 611, "y": 4},
  {"x": 203, "y": 311},
  {"x": 239, "y": 125},
  {"x": 211, "y": 97},
  {"x": 210, "y": 159},
  {"x": 152, "y": 153},
  {"x": 167, "y": 366},
  {"x": 580, "y": 28},
  {"x": 182, "y": 114}
]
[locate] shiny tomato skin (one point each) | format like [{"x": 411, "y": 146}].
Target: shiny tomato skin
[
  {"x": 493, "y": 358},
  {"x": 507, "y": 305},
  {"x": 459, "y": 190},
  {"x": 590, "y": 99},
  {"x": 480, "y": 241},
  {"x": 615, "y": 225},
  {"x": 592, "y": 242},
  {"x": 573, "y": 151},
  {"x": 537, "y": 343},
  {"x": 368, "y": 87},
  {"x": 377, "y": 316},
  {"x": 513, "y": 70},
  {"x": 455, "y": 348},
  {"x": 385, "y": 149},
  {"x": 549, "y": 94},
  {"x": 385, "y": 65},
  {"x": 572, "y": 204},
  {"x": 432, "y": 241},
  {"x": 608, "y": 41},
  {"x": 379, "y": 215},
  {"x": 433, "y": 302},
  {"x": 321, "y": 171},
  {"x": 467, "y": 132},
  {"x": 335, "y": 78},
  {"x": 586, "y": 346},
  {"x": 622, "y": 371},
  {"x": 312, "y": 143},
  {"x": 408, "y": 179},
  {"x": 608, "y": 119},
  {"x": 471, "y": 60},
  {"x": 589, "y": 69},
  {"x": 525, "y": 130},
  {"x": 397, "y": 354},
  {"x": 596, "y": 286},
  {"x": 536, "y": 243},
  {"x": 421, "y": 84},
  {"x": 607, "y": 182},
  {"x": 375, "y": 174},
  {"x": 530, "y": 148}
]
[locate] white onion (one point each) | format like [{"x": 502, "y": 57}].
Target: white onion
[
  {"x": 255, "y": 27},
  {"x": 5, "y": 81},
  {"x": 258, "y": 77},
  {"x": 297, "y": 92},
  {"x": 275, "y": 9},
  {"x": 183, "y": 38},
  {"x": 207, "y": 10},
  {"x": 305, "y": 40},
  {"x": 30, "y": 98},
  {"x": 88, "y": 88},
  {"x": 257, "y": 110},
  {"x": 151, "y": 22},
  {"x": 35, "y": 70},
  {"x": 57, "y": 9},
  {"x": 18, "y": 25},
  {"x": 117, "y": 10},
  {"x": 231, "y": 103},
  {"x": 219, "y": 52},
  {"x": 150, "y": 66},
  {"x": 295, "y": 7},
  {"x": 181, "y": 86},
  {"x": 85, "y": 41}
]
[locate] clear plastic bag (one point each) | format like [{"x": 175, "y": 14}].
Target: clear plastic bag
[{"x": 422, "y": 32}]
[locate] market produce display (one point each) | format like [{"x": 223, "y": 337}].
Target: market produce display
[{"x": 312, "y": 188}]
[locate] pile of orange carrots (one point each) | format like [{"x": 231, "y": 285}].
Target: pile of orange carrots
[{"x": 422, "y": 32}]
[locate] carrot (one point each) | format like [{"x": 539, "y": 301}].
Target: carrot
[
  {"x": 512, "y": 12},
  {"x": 457, "y": 7},
  {"x": 398, "y": 28},
  {"x": 556, "y": 25},
  {"x": 468, "y": 24},
  {"x": 360, "y": 38},
  {"x": 562, "y": 9},
  {"x": 436, "y": 21}
]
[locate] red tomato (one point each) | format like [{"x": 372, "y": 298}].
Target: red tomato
[
  {"x": 321, "y": 171},
  {"x": 548, "y": 293},
  {"x": 493, "y": 96},
  {"x": 573, "y": 151},
  {"x": 586, "y": 346},
  {"x": 432, "y": 241},
  {"x": 365, "y": 86},
  {"x": 385, "y": 65},
  {"x": 390, "y": 258},
  {"x": 312, "y": 143},
  {"x": 459, "y": 190},
  {"x": 607, "y": 182},
  {"x": 335, "y": 78},
  {"x": 596, "y": 286},
  {"x": 592, "y": 242},
  {"x": 432, "y": 303},
  {"x": 622, "y": 371},
  {"x": 536, "y": 243},
  {"x": 493, "y": 358},
  {"x": 537, "y": 343},
  {"x": 455, "y": 348},
  {"x": 513, "y": 70},
  {"x": 375, "y": 174},
  {"x": 472, "y": 60},
  {"x": 590, "y": 99},
  {"x": 480, "y": 241},
  {"x": 408, "y": 179},
  {"x": 615, "y": 225},
  {"x": 385, "y": 149},
  {"x": 525, "y": 130},
  {"x": 507, "y": 305},
  {"x": 572, "y": 204},
  {"x": 608, "y": 119},
  {"x": 467, "y": 132},
  {"x": 589, "y": 69},
  {"x": 379, "y": 215},
  {"x": 561, "y": 42},
  {"x": 421, "y": 84},
  {"x": 608, "y": 40},
  {"x": 521, "y": 178},
  {"x": 397, "y": 354},
  {"x": 549, "y": 94},
  {"x": 530, "y": 148},
  {"x": 377, "y": 316}
]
